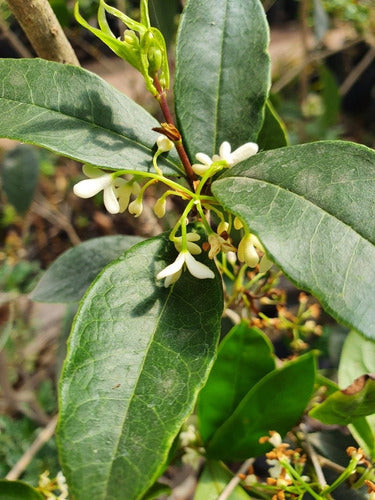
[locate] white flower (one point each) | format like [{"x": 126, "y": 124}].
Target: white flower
[
  {"x": 116, "y": 191},
  {"x": 173, "y": 271},
  {"x": 202, "y": 167},
  {"x": 240, "y": 154}
]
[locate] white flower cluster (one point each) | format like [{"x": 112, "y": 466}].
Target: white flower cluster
[
  {"x": 116, "y": 191},
  {"x": 225, "y": 155}
]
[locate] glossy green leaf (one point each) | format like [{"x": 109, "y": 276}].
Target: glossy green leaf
[
  {"x": 273, "y": 133},
  {"x": 222, "y": 73},
  {"x": 19, "y": 176},
  {"x": 343, "y": 407},
  {"x": 361, "y": 428},
  {"x": 245, "y": 356},
  {"x": 72, "y": 272},
  {"x": 138, "y": 355},
  {"x": 357, "y": 358},
  {"x": 76, "y": 114},
  {"x": 313, "y": 208},
  {"x": 276, "y": 403},
  {"x": 17, "y": 490},
  {"x": 213, "y": 480}
]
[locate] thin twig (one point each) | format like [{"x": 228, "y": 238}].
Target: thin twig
[
  {"x": 357, "y": 71},
  {"x": 26, "y": 458},
  {"x": 313, "y": 457},
  {"x": 235, "y": 480}
]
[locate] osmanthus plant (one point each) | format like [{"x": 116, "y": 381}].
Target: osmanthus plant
[{"x": 145, "y": 337}]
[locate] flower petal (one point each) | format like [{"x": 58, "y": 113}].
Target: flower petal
[
  {"x": 169, "y": 280},
  {"x": 224, "y": 151},
  {"x": 243, "y": 152},
  {"x": 197, "y": 269},
  {"x": 174, "y": 267},
  {"x": 110, "y": 200},
  {"x": 90, "y": 187},
  {"x": 203, "y": 158},
  {"x": 200, "y": 169}
]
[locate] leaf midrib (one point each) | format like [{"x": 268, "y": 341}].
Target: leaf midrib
[
  {"x": 93, "y": 124},
  {"x": 146, "y": 351}
]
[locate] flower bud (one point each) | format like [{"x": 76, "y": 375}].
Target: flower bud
[
  {"x": 164, "y": 144},
  {"x": 159, "y": 207},
  {"x": 136, "y": 207}
]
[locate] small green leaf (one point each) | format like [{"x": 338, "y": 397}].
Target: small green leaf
[
  {"x": 138, "y": 355},
  {"x": 357, "y": 358},
  {"x": 222, "y": 73},
  {"x": 19, "y": 176},
  {"x": 72, "y": 272},
  {"x": 345, "y": 406},
  {"x": 276, "y": 403},
  {"x": 245, "y": 356},
  {"x": 273, "y": 133},
  {"x": 17, "y": 490},
  {"x": 73, "y": 112},
  {"x": 213, "y": 480},
  {"x": 313, "y": 208}
]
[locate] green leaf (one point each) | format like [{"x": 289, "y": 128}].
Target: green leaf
[
  {"x": 273, "y": 133},
  {"x": 313, "y": 208},
  {"x": 72, "y": 272},
  {"x": 76, "y": 114},
  {"x": 213, "y": 480},
  {"x": 19, "y": 176},
  {"x": 138, "y": 355},
  {"x": 343, "y": 407},
  {"x": 276, "y": 403},
  {"x": 357, "y": 358},
  {"x": 17, "y": 490},
  {"x": 222, "y": 73},
  {"x": 361, "y": 428},
  {"x": 244, "y": 357}
]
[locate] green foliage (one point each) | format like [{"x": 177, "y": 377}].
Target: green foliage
[
  {"x": 222, "y": 75},
  {"x": 118, "y": 130},
  {"x": 20, "y": 277},
  {"x": 314, "y": 213},
  {"x": 71, "y": 274},
  {"x": 130, "y": 380},
  {"x": 141, "y": 348},
  {"x": 244, "y": 357},
  {"x": 12, "y": 490},
  {"x": 276, "y": 403}
]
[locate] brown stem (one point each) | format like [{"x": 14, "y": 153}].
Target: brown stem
[
  {"x": 42, "y": 28},
  {"x": 161, "y": 98}
]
